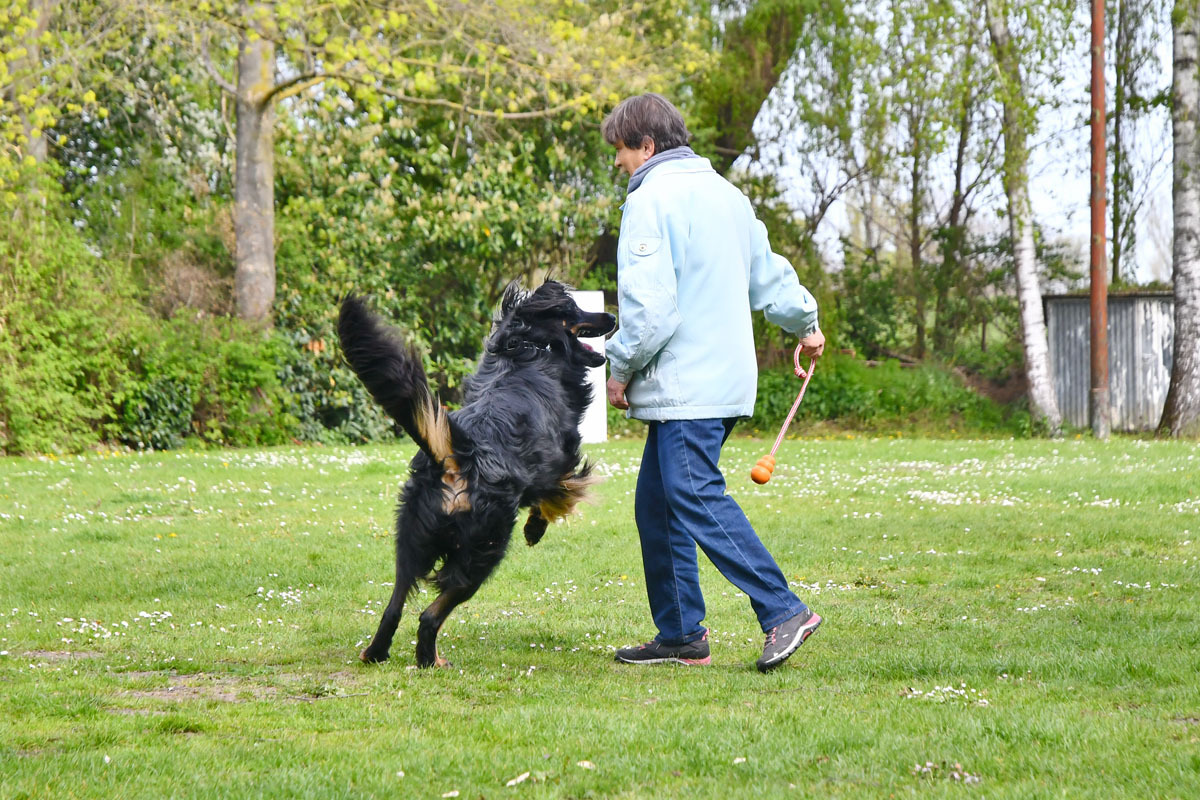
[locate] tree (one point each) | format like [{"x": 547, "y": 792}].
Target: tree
[
  {"x": 755, "y": 47},
  {"x": 829, "y": 116},
  {"x": 1137, "y": 95},
  {"x": 49, "y": 52},
  {"x": 932, "y": 89},
  {"x": 1181, "y": 413},
  {"x": 1018, "y": 120},
  {"x": 514, "y": 59},
  {"x": 25, "y": 88},
  {"x": 957, "y": 286},
  {"x": 439, "y": 225}
]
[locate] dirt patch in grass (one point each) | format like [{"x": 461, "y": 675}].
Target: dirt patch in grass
[
  {"x": 201, "y": 686},
  {"x": 55, "y": 656},
  {"x": 136, "y": 712},
  {"x": 227, "y": 689}
]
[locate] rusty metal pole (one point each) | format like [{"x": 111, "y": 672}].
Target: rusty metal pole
[{"x": 1099, "y": 407}]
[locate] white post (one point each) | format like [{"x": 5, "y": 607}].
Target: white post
[{"x": 594, "y": 427}]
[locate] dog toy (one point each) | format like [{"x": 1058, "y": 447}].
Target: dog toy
[{"x": 761, "y": 472}]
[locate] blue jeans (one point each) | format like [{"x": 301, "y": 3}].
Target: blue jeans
[{"x": 681, "y": 503}]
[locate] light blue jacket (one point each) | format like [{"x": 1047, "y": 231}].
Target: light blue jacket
[{"x": 692, "y": 263}]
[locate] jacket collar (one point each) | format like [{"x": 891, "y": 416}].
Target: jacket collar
[{"x": 674, "y": 154}]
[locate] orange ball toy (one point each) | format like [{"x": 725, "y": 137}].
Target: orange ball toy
[{"x": 761, "y": 472}]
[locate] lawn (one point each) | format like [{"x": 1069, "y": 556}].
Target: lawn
[{"x": 1003, "y": 619}]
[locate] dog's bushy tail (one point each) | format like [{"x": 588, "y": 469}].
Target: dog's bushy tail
[{"x": 390, "y": 367}]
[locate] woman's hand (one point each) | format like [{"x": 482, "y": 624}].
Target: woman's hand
[
  {"x": 616, "y": 394},
  {"x": 812, "y": 345}
]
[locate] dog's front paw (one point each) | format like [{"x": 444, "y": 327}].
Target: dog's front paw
[
  {"x": 535, "y": 529},
  {"x": 367, "y": 656},
  {"x": 424, "y": 662}
]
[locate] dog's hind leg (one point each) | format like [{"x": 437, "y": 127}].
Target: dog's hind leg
[
  {"x": 381, "y": 642},
  {"x": 411, "y": 564},
  {"x": 535, "y": 527},
  {"x": 432, "y": 620},
  {"x": 481, "y": 547}
]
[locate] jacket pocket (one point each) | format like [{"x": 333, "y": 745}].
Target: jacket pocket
[
  {"x": 657, "y": 385},
  {"x": 644, "y": 245}
]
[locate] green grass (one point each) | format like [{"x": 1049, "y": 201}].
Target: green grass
[{"x": 186, "y": 625}]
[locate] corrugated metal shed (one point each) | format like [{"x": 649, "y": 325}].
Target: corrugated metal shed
[{"x": 1141, "y": 328}]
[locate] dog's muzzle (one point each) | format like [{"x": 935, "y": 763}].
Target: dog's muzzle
[{"x": 594, "y": 325}]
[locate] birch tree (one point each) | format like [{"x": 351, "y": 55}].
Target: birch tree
[
  {"x": 1138, "y": 140},
  {"x": 1018, "y": 118},
  {"x": 1181, "y": 414}
]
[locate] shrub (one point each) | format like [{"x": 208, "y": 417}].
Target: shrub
[
  {"x": 851, "y": 394},
  {"x": 328, "y": 400},
  {"x": 214, "y": 377},
  {"x": 158, "y": 414},
  {"x": 64, "y": 314}
]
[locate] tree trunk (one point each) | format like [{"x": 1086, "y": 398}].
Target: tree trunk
[
  {"x": 254, "y": 192},
  {"x": 35, "y": 139},
  {"x": 1042, "y": 403},
  {"x": 914, "y": 240},
  {"x": 1181, "y": 414},
  {"x": 1121, "y": 69}
]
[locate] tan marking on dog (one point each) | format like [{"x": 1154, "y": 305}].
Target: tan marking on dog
[
  {"x": 438, "y": 659},
  {"x": 434, "y": 425},
  {"x": 573, "y": 491},
  {"x": 455, "y": 488}
]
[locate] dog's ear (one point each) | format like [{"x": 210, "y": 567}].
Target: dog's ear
[
  {"x": 514, "y": 295},
  {"x": 508, "y": 337}
]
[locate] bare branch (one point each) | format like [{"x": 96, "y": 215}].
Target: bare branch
[
  {"x": 462, "y": 107},
  {"x": 296, "y": 85},
  {"x": 219, "y": 79}
]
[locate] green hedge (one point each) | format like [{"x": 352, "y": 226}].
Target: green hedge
[
  {"x": 64, "y": 316},
  {"x": 851, "y": 394},
  {"x": 84, "y": 363},
  {"x": 847, "y": 394},
  {"x": 211, "y": 377}
]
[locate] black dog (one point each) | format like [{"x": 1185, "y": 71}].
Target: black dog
[{"x": 513, "y": 444}]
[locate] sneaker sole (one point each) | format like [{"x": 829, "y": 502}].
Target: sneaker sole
[
  {"x": 687, "y": 662},
  {"x": 801, "y": 637}
]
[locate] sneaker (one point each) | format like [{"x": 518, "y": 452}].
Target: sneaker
[
  {"x": 786, "y": 638},
  {"x": 655, "y": 652}
]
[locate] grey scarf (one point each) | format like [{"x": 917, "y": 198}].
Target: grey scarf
[{"x": 639, "y": 175}]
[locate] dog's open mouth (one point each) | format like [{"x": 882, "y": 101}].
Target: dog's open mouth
[
  {"x": 587, "y": 332},
  {"x": 594, "y": 330}
]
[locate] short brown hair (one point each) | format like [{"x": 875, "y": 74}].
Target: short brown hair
[{"x": 645, "y": 116}]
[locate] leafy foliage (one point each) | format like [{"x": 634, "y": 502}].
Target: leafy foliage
[
  {"x": 428, "y": 153},
  {"x": 888, "y": 396},
  {"x": 83, "y": 361},
  {"x": 64, "y": 315},
  {"x": 868, "y": 303},
  {"x": 429, "y": 224},
  {"x": 213, "y": 377},
  {"x": 40, "y": 79}
]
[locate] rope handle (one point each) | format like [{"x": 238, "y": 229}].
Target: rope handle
[{"x": 761, "y": 473}]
